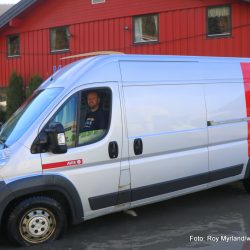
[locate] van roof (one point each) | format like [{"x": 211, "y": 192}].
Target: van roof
[{"x": 141, "y": 68}]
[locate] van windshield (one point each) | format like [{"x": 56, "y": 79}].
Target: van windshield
[{"x": 26, "y": 115}]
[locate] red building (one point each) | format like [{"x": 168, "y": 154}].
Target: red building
[{"x": 36, "y": 34}]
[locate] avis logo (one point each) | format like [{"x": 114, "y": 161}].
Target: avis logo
[{"x": 74, "y": 162}]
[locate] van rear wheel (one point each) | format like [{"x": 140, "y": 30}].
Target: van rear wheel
[
  {"x": 246, "y": 184},
  {"x": 36, "y": 220}
]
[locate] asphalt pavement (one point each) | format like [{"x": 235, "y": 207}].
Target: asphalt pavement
[{"x": 218, "y": 218}]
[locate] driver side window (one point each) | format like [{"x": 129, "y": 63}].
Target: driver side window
[
  {"x": 67, "y": 116},
  {"x": 95, "y": 112},
  {"x": 85, "y": 116}
]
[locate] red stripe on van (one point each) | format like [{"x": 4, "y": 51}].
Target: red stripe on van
[
  {"x": 72, "y": 163},
  {"x": 246, "y": 77}
]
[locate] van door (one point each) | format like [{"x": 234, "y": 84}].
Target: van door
[
  {"x": 227, "y": 131},
  {"x": 93, "y": 160},
  {"x": 167, "y": 133},
  {"x": 227, "y": 121}
]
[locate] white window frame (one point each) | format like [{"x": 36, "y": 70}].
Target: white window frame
[
  {"x": 52, "y": 37},
  {"x": 13, "y": 44},
  {"x": 97, "y": 1},
  {"x": 214, "y": 11},
  {"x": 138, "y": 31}
]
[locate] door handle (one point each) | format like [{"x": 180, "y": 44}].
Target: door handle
[
  {"x": 113, "y": 150},
  {"x": 138, "y": 146}
]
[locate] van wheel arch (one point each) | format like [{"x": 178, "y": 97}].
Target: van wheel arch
[
  {"x": 53, "y": 194},
  {"x": 52, "y": 186},
  {"x": 246, "y": 180}
]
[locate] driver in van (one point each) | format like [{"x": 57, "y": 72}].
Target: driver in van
[{"x": 96, "y": 118}]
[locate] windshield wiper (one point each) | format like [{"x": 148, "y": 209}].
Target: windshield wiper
[{"x": 3, "y": 143}]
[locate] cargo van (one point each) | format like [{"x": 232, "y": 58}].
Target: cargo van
[{"x": 171, "y": 125}]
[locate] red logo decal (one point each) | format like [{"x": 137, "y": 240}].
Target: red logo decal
[
  {"x": 71, "y": 163},
  {"x": 246, "y": 77}
]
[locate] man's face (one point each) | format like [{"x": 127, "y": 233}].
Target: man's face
[{"x": 93, "y": 101}]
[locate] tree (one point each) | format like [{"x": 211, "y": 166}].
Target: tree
[
  {"x": 34, "y": 83},
  {"x": 2, "y": 116},
  {"x": 15, "y": 93},
  {"x": 2, "y": 106}
]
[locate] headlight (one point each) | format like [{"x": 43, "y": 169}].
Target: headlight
[{"x": 4, "y": 156}]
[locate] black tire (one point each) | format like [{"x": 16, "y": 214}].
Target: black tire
[
  {"x": 36, "y": 220},
  {"x": 246, "y": 184}
]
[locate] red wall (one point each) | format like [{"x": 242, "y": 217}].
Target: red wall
[{"x": 182, "y": 28}]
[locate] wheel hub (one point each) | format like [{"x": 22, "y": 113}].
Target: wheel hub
[{"x": 37, "y": 225}]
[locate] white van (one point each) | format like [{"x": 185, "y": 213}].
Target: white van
[{"x": 173, "y": 125}]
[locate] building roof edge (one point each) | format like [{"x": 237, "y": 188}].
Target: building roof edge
[{"x": 14, "y": 11}]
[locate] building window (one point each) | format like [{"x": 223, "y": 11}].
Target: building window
[
  {"x": 59, "y": 39},
  {"x": 146, "y": 29},
  {"x": 13, "y": 44},
  {"x": 97, "y": 1},
  {"x": 219, "y": 21}
]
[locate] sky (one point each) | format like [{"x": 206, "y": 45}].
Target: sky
[{"x": 8, "y": 1}]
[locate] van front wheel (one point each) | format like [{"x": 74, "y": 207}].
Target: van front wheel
[{"x": 36, "y": 220}]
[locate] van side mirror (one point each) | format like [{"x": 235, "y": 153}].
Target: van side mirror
[
  {"x": 51, "y": 139},
  {"x": 56, "y": 138}
]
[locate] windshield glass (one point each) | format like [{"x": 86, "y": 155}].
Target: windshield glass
[{"x": 24, "y": 117}]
